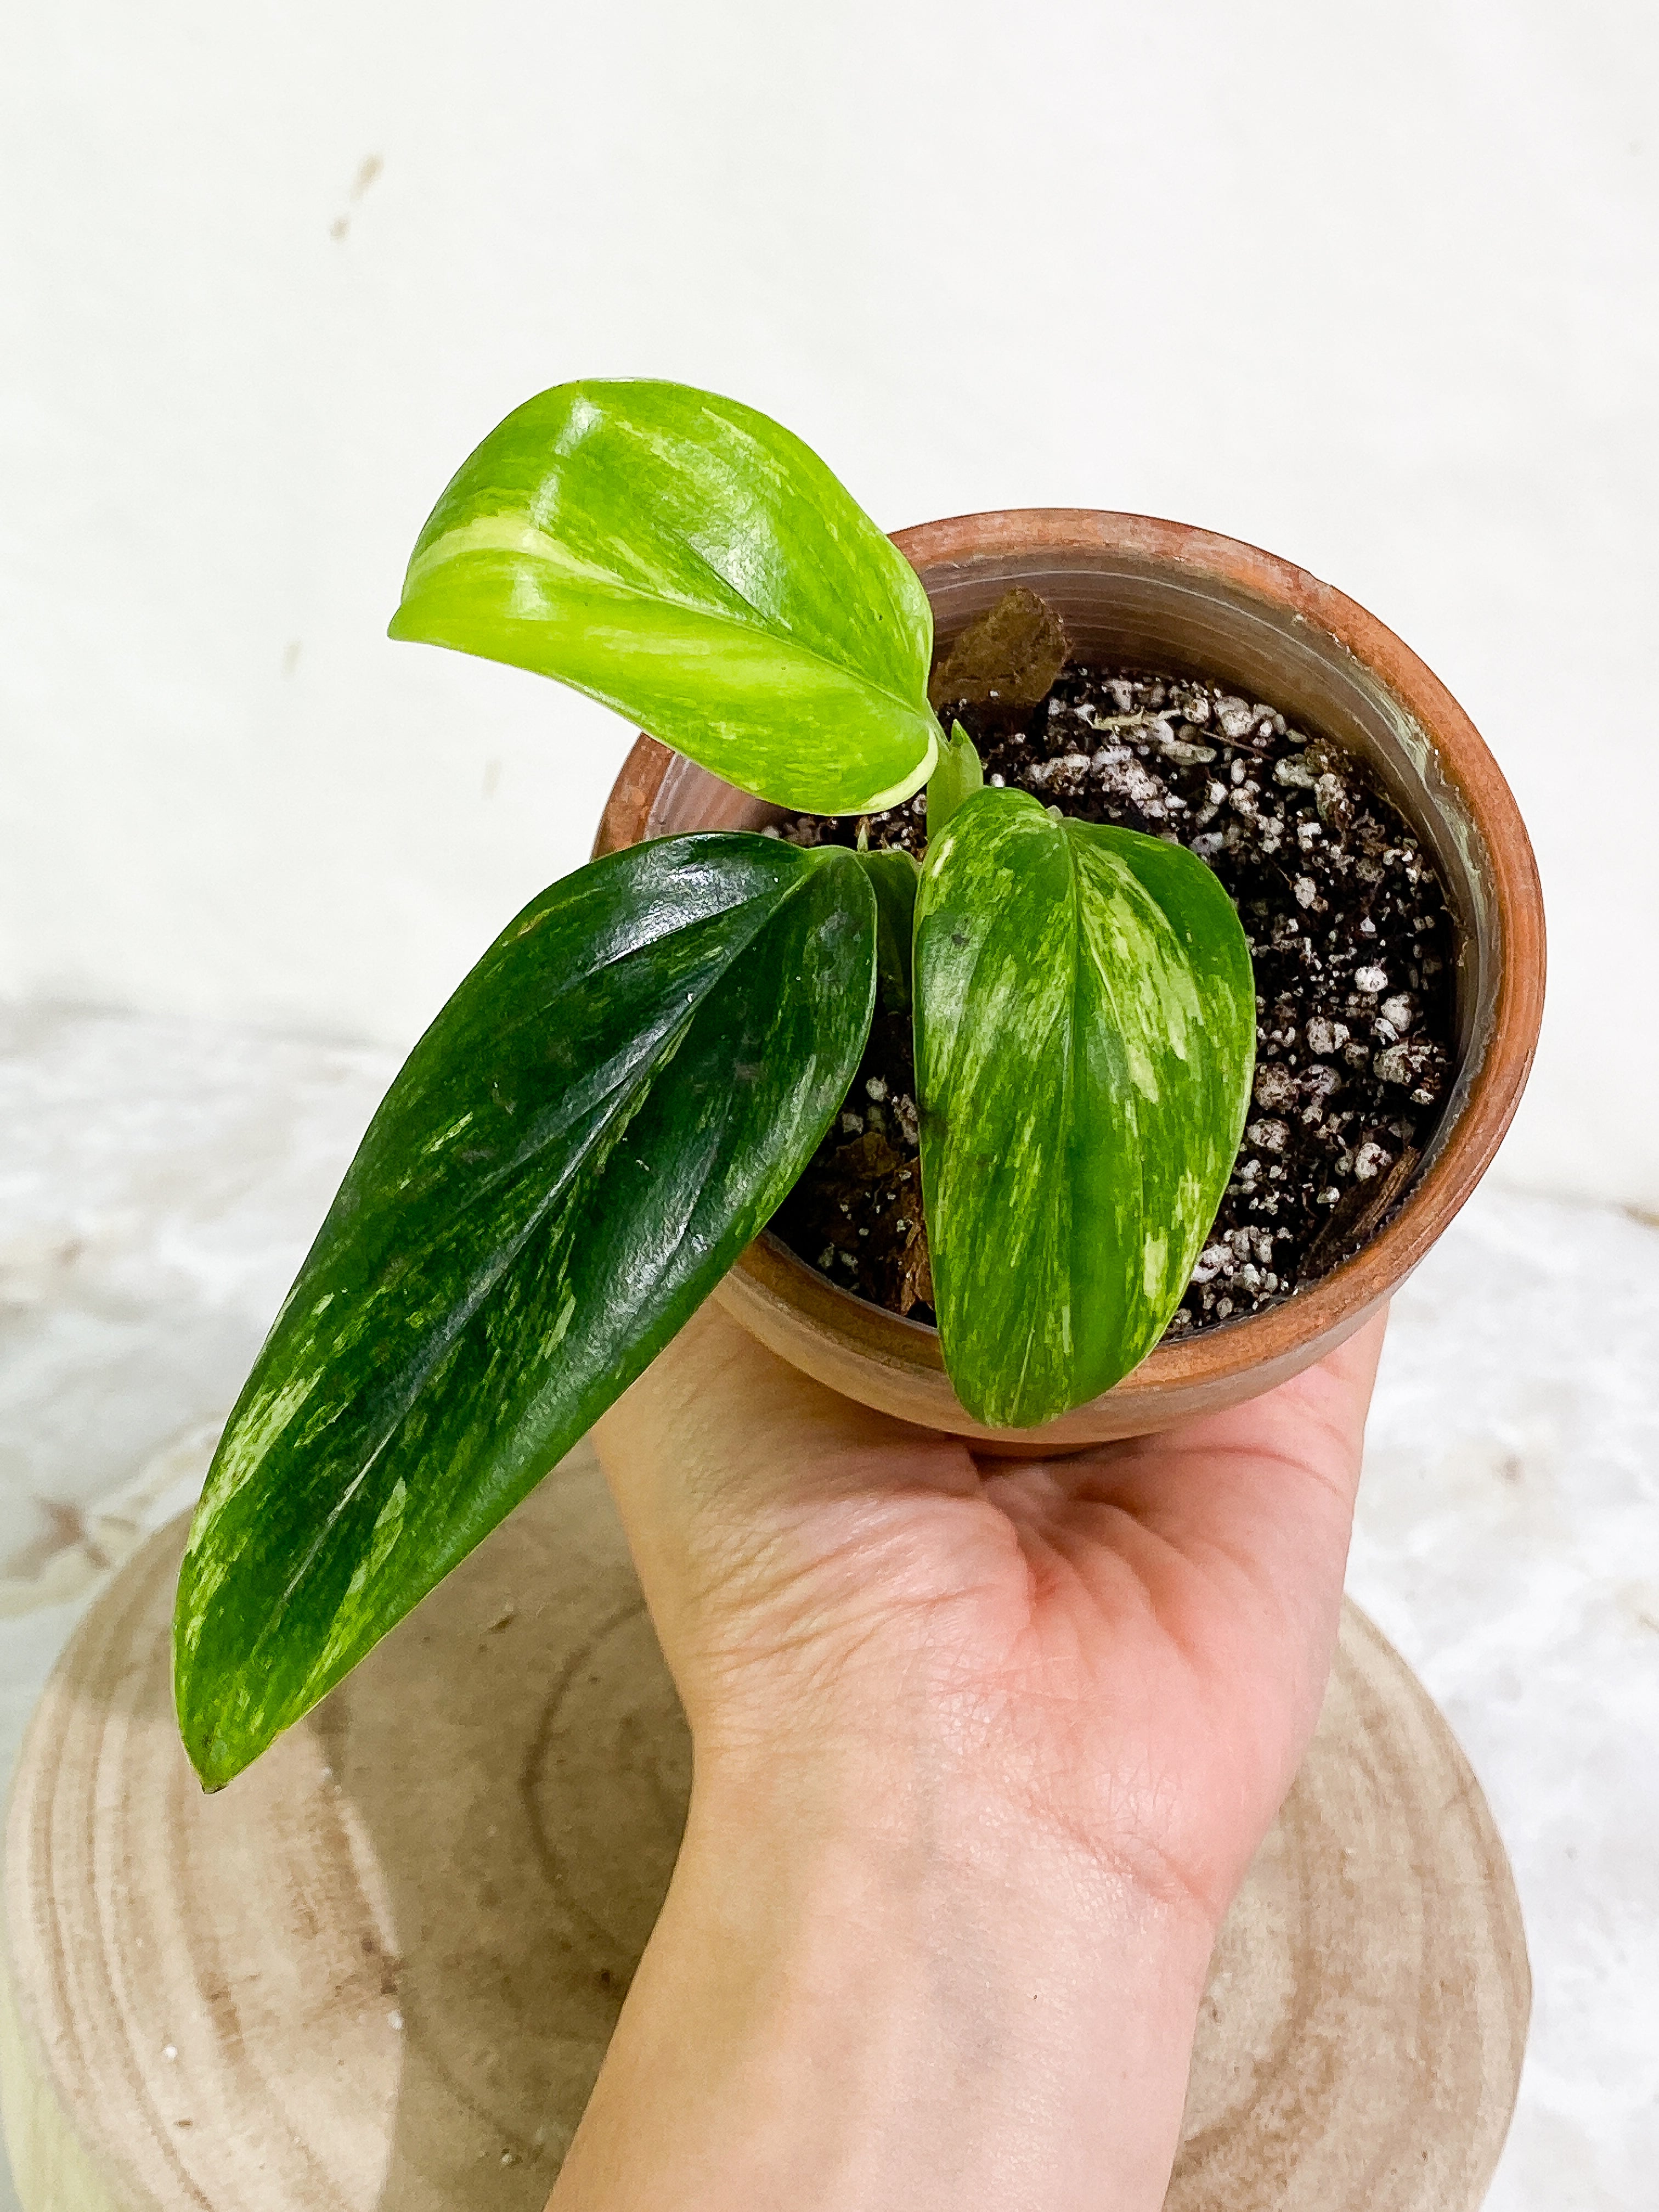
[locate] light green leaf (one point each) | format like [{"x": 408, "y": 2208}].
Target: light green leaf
[
  {"x": 1085, "y": 1021},
  {"x": 605, "y": 1113},
  {"x": 957, "y": 775},
  {"x": 696, "y": 567},
  {"x": 893, "y": 877}
]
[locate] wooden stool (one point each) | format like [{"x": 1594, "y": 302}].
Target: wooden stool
[{"x": 380, "y": 1971}]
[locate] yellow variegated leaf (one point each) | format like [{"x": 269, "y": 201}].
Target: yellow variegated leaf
[{"x": 1085, "y": 1035}]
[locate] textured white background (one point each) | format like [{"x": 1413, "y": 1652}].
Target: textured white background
[{"x": 1372, "y": 285}]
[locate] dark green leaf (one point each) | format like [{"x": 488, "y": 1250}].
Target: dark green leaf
[
  {"x": 607, "y": 1110},
  {"x": 1085, "y": 1041},
  {"x": 694, "y": 566},
  {"x": 893, "y": 877},
  {"x": 958, "y": 774}
]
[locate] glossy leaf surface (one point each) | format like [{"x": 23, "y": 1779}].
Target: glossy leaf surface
[
  {"x": 960, "y": 773},
  {"x": 697, "y": 568},
  {"x": 607, "y": 1110},
  {"x": 894, "y": 876},
  {"x": 1086, "y": 1041}
]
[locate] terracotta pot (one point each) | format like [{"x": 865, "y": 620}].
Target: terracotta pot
[{"x": 1133, "y": 589}]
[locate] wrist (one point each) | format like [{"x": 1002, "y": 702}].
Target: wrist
[
  {"x": 886, "y": 1995},
  {"x": 940, "y": 1789},
  {"x": 921, "y": 1831}
]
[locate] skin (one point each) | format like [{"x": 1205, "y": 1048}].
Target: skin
[{"x": 983, "y": 1747}]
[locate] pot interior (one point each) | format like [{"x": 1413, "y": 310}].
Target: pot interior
[{"x": 1122, "y": 607}]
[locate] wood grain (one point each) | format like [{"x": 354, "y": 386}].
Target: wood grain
[{"x": 382, "y": 1970}]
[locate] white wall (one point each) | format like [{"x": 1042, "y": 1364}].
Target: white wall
[{"x": 1372, "y": 284}]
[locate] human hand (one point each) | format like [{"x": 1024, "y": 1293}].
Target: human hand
[{"x": 983, "y": 1748}]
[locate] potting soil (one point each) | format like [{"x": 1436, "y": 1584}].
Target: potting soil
[{"x": 1352, "y": 946}]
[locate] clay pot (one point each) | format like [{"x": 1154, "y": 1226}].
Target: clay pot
[{"x": 1133, "y": 589}]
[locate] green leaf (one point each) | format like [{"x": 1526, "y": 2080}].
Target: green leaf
[
  {"x": 605, "y": 1113},
  {"x": 1085, "y": 1040},
  {"x": 957, "y": 776},
  {"x": 694, "y": 566},
  {"x": 894, "y": 876}
]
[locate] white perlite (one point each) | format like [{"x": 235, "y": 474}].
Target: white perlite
[
  {"x": 1211, "y": 1261},
  {"x": 1275, "y": 1086},
  {"x": 1326, "y": 1037},
  {"x": 1401, "y": 1063},
  {"x": 1234, "y": 717}
]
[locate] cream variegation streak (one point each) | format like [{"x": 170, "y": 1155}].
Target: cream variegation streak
[
  {"x": 689, "y": 562},
  {"x": 1085, "y": 1026},
  {"x": 605, "y": 1114},
  {"x": 264, "y": 1417},
  {"x": 501, "y": 533},
  {"x": 388, "y": 1527}
]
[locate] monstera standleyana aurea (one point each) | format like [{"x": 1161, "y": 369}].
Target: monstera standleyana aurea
[{"x": 634, "y": 1075}]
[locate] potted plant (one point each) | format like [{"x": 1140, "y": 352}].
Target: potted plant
[{"x": 597, "y": 1128}]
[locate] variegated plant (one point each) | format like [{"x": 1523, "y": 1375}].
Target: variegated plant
[{"x": 637, "y": 1072}]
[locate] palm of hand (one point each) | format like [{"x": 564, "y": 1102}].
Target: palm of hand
[{"x": 1127, "y": 1647}]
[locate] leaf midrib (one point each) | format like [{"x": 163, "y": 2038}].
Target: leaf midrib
[{"x": 1108, "y": 990}]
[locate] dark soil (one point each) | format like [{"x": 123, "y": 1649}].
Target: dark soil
[{"x": 1352, "y": 943}]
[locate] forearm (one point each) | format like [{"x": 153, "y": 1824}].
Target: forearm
[{"x": 888, "y": 2001}]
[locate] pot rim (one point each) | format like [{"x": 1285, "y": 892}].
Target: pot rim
[{"x": 1335, "y": 1304}]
